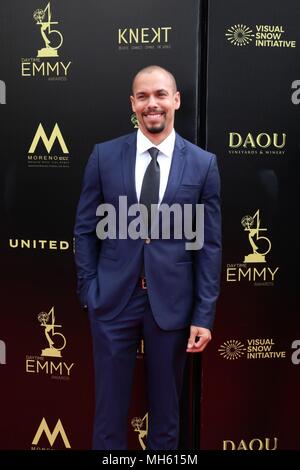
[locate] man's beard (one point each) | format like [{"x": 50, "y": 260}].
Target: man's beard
[{"x": 156, "y": 130}]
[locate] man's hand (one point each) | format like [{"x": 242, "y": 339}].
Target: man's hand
[{"x": 199, "y": 339}]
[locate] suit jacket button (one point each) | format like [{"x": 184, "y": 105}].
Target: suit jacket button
[{"x": 147, "y": 241}]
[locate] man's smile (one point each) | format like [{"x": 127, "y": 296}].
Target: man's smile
[{"x": 153, "y": 115}]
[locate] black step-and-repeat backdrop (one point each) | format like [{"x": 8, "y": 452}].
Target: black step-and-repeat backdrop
[
  {"x": 251, "y": 371},
  {"x": 66, "y": 72}
]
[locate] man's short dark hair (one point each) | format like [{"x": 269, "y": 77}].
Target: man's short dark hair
[{"x": 152, "y": 68}]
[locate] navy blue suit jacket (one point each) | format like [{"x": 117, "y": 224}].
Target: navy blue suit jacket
[{"x": 183, "y": 285}]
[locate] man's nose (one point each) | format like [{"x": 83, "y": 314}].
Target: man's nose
[{"x": 152, "y": 101}]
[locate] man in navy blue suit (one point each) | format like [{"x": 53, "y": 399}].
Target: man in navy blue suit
[{"x": 149, "y": 287}]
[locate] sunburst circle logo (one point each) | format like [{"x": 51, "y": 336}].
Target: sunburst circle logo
[
  {"x": 232, "y": 349},
  {"x": 239, "y": 35}
]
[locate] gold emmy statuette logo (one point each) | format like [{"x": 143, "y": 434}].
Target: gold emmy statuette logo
[
  {"x": 232, "y": 349},
  {"x": 140, "y": 350},
  {"x": 140, "y": 426},
  {"x": 239, "y": 35},
  {"x": 56, "y": 340},
  {"x": 43, "y": 427},
  {"x": 134, "y": 121},
  {"x": 260, "y": 245},
  {"x": 50, "y": 50},
  {"x": 48, "y": 143}
]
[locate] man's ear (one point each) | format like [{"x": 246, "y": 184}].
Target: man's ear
[
  {"x": 177, "y": 100},
  {"x": 132, "y": 103}
]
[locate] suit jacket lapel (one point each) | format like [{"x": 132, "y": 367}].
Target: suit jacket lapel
[
  {"x": 176, "y": 171},
  {"x": 128, "y": 164},
  {"x": 175, "y": 176}
]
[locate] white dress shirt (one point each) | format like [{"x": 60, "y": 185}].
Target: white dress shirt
[{"x": 143, "y": 158}]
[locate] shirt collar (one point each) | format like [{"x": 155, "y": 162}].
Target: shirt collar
[{"x": 166, "y": 146}]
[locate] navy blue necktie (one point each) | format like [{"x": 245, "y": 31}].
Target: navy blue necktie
[{"x": 150, "y": 186}]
